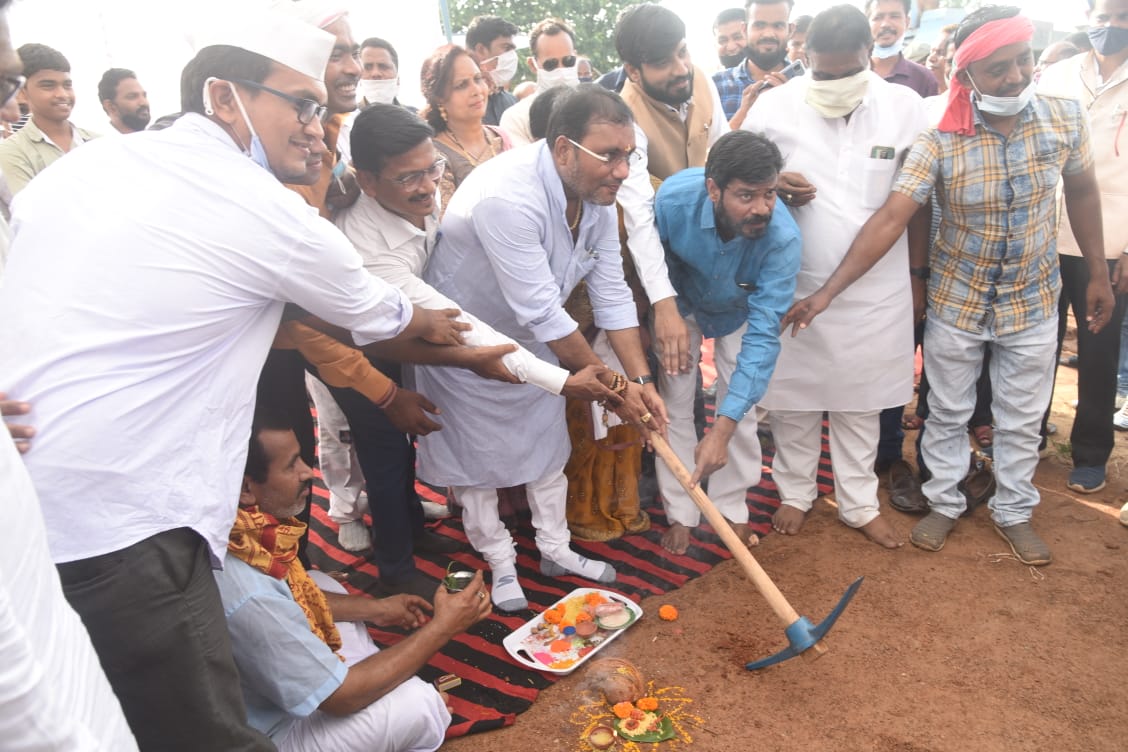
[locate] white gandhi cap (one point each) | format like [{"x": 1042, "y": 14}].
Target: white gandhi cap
[
  {"x": 282, "y": 37},
  {"x": 320, "y": 13}
]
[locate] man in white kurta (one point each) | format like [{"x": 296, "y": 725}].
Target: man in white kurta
[
  {"x": 136, "y": 325},
  {"x": 845, "y": 130},
  {"x": 521, "y": 232}
]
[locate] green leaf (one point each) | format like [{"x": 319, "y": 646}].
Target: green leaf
[{"x": 664, "y": 732}]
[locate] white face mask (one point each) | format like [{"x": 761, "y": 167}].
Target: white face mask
[
  {"x": 1003, "y": 106},
  {"x": 506, "y": 68},
  {"x": 893, "y": 50},
  {"x": 840, "y": 97},
  {"x": 378, "y": 91},
  {"x": 560, "y": 76}
]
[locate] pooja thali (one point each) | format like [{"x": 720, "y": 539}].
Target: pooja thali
[{"x": 572, "y": 630}]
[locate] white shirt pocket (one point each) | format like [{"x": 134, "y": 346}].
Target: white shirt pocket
[{"x": 877, "y": 181}]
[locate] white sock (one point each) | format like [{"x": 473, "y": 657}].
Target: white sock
[
  {"x": 505, "y": 590},
  {"x": 567, "y": 561},
  {"x": 353, "y": 536},
  {"x": 435, "y": 511}
]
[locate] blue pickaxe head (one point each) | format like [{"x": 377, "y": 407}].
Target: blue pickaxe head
[{"x": 802, "y": 635}]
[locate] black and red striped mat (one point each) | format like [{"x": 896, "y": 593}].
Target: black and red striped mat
[{"x": 494, "y": 688}]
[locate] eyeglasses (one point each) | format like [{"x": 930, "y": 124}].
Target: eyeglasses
[
  {"x": 9, "y": 85},
  {"x": 308, "y": 109},
  {"x": 553, "y": 63},
  {"x": 614, "y": 159},
  {"x": 413, "y": 180}
]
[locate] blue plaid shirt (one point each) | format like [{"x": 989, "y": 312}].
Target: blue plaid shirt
[{"x": 731, "y": 84}]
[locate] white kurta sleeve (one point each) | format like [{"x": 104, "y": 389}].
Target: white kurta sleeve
[{"x": 636, "y": 196}]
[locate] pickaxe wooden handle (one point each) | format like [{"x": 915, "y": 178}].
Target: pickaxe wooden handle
[{"x": 740, "y": 552}]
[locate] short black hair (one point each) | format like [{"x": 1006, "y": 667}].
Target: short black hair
[
  {"x": 382, "y": 44},
  {"x": 907, "y": 3},
  {"x": 842, "y": 28},
  {"x": 541, "y": 110},
  {"x": 790, "y": 4},
  {"x": 484, "y": 29},
  {"x": 107, "y": 87},
  {"x": 972, "y": 21},
  {"x": 1080, "y": 40},
  {"x": 258, "y": 464},
  {"x": 728, "y": 15},
  {"x": 550, "y": 27},
  {"x": 219, "y": 61},
  {"x": 383, "y": 131},
  {"x": 40, "y": 57},
  {"x": 582, "y": 107},
  {"x": 647, "y": 33},
  {"x": 743, "y": 155},
  {"x": 803, "y": 23}
]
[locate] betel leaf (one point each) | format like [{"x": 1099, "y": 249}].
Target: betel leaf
[{"x": 664, "y": 732}]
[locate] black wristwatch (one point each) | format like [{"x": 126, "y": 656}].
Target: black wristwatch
[
  {"x": 643, "y": 380},
  {"x": 920, "y": 272}
]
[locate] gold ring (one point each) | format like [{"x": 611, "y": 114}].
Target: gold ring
[
  {"x": 645, "y": 418},
  {"x": 788, "y": 196},
  {"x": 481, "y": 595}
]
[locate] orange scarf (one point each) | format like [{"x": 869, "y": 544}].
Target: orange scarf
[{"x": 271, "y": 546}]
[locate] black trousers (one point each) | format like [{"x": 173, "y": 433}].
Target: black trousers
[
  {"x": 1098, "y": 359},
  {"x": 387, "y": 458},
  {"x": 155, "y": 617}
]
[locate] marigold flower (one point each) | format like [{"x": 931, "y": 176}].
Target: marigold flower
[
  {"x": 647, "y": 703},
  {"x": 594, "y": 599},
  {"x": 553, "y": 616},
  {"x": 622, "y": 709},
  {"x": 668, "y": 613}
]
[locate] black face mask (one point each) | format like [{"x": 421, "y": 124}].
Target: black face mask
[
  {"x": 1108, "y": 40},
  {"x": 767, "y": 61},
  {"x": 731, "y": 61}
]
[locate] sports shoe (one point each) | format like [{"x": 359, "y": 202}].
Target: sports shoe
[
  {"x": 1120, "y": 420},
  {"x": 1124, "y": 515},
  {"x": 1025, "y": 544},
  {"x": 931, "y": 533},
  {"x": 1086, "y": 480},
  {"x": 353, "y": 536}
]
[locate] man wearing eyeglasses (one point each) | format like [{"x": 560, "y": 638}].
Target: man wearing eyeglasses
[
  {"x": 49, "y": 134},
  {"x": 519, "y": 235},
  {"x": 141, "y": 363},
  {"x": 553, "y": 44},
  {"x": 733, "y": 256}
]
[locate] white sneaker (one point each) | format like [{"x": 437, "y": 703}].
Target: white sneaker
[
  {"x": 353, "y": 536},
  {"x": 435, "y": 511},
  {"x": 1124, "y": 515},
  {"x": 1120, "y": 420}
]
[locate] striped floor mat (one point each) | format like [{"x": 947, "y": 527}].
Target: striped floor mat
[{"x": 494, "y": 688}]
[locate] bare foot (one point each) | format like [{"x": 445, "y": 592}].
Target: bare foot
[
  {"x": 881, "y": 531},
  {"x": 788, "y": 520},
  {"x": 744, "y": 532},
  {"x": 676, "y": 539}
]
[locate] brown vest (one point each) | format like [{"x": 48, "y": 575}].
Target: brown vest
[{"x": 673, "y": 145}]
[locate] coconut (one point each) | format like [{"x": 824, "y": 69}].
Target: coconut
[{"x": 617, "y": 679}]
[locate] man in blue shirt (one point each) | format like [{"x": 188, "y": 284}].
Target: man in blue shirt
[
  {"x": 733, "y": 261},
  {"x": 768, "y": 30}
]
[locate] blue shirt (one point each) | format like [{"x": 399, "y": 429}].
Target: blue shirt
[
  {"x": 731, "y": 84},
  {"x": 724, "y": 284},
  {"x": 285, "y": 670}
]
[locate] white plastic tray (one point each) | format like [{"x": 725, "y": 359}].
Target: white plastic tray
[{"x": 521, "y": 651}]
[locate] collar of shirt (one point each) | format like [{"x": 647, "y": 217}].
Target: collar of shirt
[
  {"x": 78, "y": 135},
  {"x": 546, "y": 169},
  {"x": 398, "y": 231},
  {"x": 1024, "y": 116}
]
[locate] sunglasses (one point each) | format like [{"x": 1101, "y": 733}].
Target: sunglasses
[
  {"x": 553, "y": 63},
  {"x": 308, "y": 109}
]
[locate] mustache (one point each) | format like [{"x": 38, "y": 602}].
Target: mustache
[{"x": 756, "y": 219}]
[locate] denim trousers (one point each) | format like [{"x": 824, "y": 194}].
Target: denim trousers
[{"x": 1022, "y": 371}]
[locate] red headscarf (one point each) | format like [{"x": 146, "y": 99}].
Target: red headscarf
[{"x": 981, "y": 43}]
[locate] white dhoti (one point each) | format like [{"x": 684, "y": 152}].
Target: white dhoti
[
  {"x": 853, "y": 449},
  {"x": 410, "y": 718},
  {"x": 728, "y": 487}
]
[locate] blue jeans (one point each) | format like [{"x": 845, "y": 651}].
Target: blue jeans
[{"x": 1022, "y": 372}]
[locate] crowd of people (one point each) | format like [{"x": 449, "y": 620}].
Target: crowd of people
[{"x": 509, "y": 297}]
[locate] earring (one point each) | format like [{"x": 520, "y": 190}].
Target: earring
[{"x": 443, "y": 113}]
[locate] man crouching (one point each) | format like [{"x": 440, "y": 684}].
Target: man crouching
[{"x": 310, "y": 682}]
